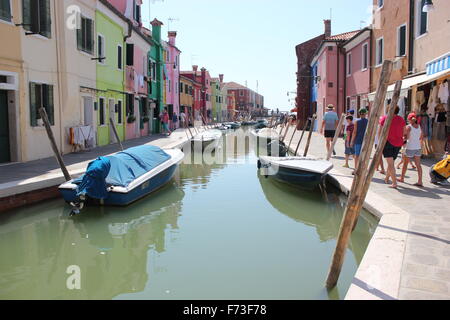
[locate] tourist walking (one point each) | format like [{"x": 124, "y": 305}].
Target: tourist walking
[
  {"x": 183, "y": 119},
  {"x": 360, "y": 132},
  {"x": 349, "y": 150},
  {"x": 174, "y": 121},
  {"x": 329, "y": 125},
  {"x": 393, "y": 145},
  {"x": 413, "y": 148},
  {"x": 165, "y": 122}
]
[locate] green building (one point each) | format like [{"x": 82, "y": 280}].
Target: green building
[
  {"x": 156, "y": 85},
  {"x": 110, "y": 77}
]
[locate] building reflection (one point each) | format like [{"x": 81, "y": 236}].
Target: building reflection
[{"x": 110, "y": 245}]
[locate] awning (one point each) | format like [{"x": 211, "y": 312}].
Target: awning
[{"x": 408, "y": 83}]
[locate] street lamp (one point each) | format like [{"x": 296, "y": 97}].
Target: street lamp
[{"x": 428, "y": 6}]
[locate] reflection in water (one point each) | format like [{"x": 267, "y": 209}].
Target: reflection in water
[
  {"x": 110, "y": 246},
  {"x": 219, "y": 231}
]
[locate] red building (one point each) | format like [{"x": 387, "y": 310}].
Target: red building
[
  {"x": 202, "y": 92},
  {"x": 247, "y": 101}
]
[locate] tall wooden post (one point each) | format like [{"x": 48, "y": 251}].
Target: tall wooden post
[
  {"x": 292, "y": 137},
  {"x": 285, "y": 131},
  {"x": 301, "y": 137},
  {"x": 358, "y": 182},
  {"x": 336, "y": 135},
  {"x": 113, "y": 125},
  {"x": 310, "y": 136},
  {"x": 381, "y": 144},
  {"x": 51, "y": 137}
]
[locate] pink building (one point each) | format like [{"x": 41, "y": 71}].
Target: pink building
[
  {"x": 329, "y": 67},
  {"x": 130, "y": 9},
  {"x": 172, "y": 67},
  {"x": 357, "y": 70}
]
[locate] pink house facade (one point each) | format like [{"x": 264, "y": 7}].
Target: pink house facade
[
  {"x": 357, "y": 70},
  {"x": 172, "y": 67},
  {"x": 329, "y": 83}
]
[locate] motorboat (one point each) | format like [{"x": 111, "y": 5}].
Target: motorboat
[
  {"x": 209, "y": 139},
  {"x": 306, "y": 172},
  {"x": 123, "y": 178}
]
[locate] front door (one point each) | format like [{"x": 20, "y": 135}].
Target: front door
[
  {"x": 112, "y": 116},
  {"x": 89, "y": 120},
  {"x": 5, "y": 155}
]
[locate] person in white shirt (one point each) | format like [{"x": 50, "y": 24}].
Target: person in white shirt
[{"x": 413, "y": 152}]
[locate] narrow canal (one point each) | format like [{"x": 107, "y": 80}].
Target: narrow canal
[{"x": 218, "y": 231}]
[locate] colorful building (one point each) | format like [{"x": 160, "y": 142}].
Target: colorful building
[
  {"x": 187, "y": 95},
  {"x": 248, "y": 102},
  {"x": 172, "y": 67},
  {"x": 156, "y": 85},
  {"x": 202, "y": 92},
  {"x": 215, "y": 96}
]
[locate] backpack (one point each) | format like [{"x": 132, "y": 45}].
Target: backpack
[{"x": 443, "y": 168}]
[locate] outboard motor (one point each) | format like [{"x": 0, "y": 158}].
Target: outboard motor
[{"x": 277, "y": 145}]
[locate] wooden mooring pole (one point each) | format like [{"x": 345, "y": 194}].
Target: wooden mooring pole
[
  {"x": 292, "y": 137},
  {"x": 336, "y": 135},
  {"x": 113, "y": 125},
  {"x": 309, "y": 136},
  {"x": 51, "y": 137},
  {"x": 354, "y": 201},
  {"x": 301, "y": 137}
]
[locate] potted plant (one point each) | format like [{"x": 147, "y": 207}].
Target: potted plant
[{"x": 131, "y": 118}]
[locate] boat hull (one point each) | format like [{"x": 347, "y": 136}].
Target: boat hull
[
  {"x": 303, "y": 179},
  {"x": 123, "y": 199}
]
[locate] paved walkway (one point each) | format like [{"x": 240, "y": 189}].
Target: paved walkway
[
  {"x": 423, "y": 248},
  {"x": 24, "y": 177}
]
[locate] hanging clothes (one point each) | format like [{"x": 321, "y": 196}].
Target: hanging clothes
[
  {"x": 402, "y": 107},
  {"x": 443, "y": 92},
  {"x": 424, "y": 124},
  {"x": 439, "y": 131},
  {"x": 420, "y": 98},
  {"x": 432, "y": 101}
]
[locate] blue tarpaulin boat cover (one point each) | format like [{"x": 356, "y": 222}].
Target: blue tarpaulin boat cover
[{"x": 120, "y": 169}]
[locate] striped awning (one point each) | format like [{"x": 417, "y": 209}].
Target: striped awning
[{"x": 438, "y": 65}]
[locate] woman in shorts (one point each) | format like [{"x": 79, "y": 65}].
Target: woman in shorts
[{"x": 413, "y": 150}]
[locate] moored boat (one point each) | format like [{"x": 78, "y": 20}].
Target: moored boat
[
  {"x": 306, "y": 172},
  {"x": 123, "y": 178},
  {"x": 209, "y": 139}
]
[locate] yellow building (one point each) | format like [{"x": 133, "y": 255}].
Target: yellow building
[{"x": 186, "y": 95}]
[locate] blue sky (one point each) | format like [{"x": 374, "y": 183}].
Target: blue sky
[{"x": 252, "y": 40}]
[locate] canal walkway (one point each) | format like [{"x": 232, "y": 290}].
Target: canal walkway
[
  {"x": 409, "y": 254},
  {"x": 20, "y": 178}
]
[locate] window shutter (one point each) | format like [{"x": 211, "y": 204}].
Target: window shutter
[
  {"x": 80, "y": 36},
  {"x": 49, "y": 102},
  {"x": 34, "y": 12},
  {"x": 141, "y": 112},
  {"x": 33, "y": 107},
  {"x": 88, "y": 35},
  {"x": 5, "y": 10},
  {"x": 45, "y": 19},
  {"x": 26, "y": 14},
  {"x": 130, "y": 54}
]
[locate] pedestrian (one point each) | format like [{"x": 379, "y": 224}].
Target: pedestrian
[
  {"x": 183, "y": 119},
  {"x": 380, "y": 162},
  {"x": 329, "y": 125},
  {"x": 174, "y": 121},
  {"x": 393, "y": 145},
  {"x": 165, "y": 122},
  {"x": 413, "y": 150},
  {"x": 349, "y": 150},
  {"x": 360, "y": 132}
]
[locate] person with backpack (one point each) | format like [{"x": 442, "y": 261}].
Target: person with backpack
[{"x": 440, "y": 172}]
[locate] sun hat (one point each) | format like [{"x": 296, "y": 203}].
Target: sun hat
[
  {"x": 330, "y": 106},
  {"x": 363, "y": 111}
]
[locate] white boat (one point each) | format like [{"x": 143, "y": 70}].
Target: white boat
[
  {"x": 307, "y": 172},
  {"x": 208, "y": 139}
]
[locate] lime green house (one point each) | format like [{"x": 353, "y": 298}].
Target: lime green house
[{"x": 110, "y": 33}]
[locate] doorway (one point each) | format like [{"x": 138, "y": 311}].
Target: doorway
[
  {"x": 5, "y": 153},
  {"x": 112, "y": 120},
  {"x": 89, "y": 117}
]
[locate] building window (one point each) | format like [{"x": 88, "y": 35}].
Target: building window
[
  {"x": 101, "y": 48},
  {"x": 130, "y": 104},
  {"x": 330, "y": 84},
  {"x": 181, "y": 87},
  {"x": 101, "y": 111},
  {"x": 130, "y": 54},
  {"x": 119, "y": 57},
  {"x": 153, "y": 71},
  {"x": 41, "y": 95},
  {"x": 365, "y": 56},
  {"x": 37, "y": 17},
  {"x": 119, "y": 112},
  {"x": 422, "y": 18},
  {"x": 379, "y": 52},
  {"x": 347, "y": 105},
  {"x": 85, "y": 36},
  {"x": 5, "y": 10},
  {"x": 137, "y": 12},
  {"x": 401, "y": 41},
  {"x": 241, "y": 93},
  {"x": 170, "y": 85},
  {"x": 380, "y": 3},
  {"x": 349, "y": 64},
  {"x": 330, "y": 48},
  {"x": 176, "y": 87}
]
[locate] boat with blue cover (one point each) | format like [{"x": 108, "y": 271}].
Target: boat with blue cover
[{"x": 123, "y": 178}]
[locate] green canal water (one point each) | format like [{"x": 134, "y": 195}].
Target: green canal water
[{"x": 217, "y": 231}]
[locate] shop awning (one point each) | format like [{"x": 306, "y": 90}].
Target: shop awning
[{"x": 408, "y": 83}]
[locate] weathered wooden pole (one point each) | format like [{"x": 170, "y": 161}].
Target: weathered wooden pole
[
  {"x": 358, "y": 182},
  {"x": 336, "y": 135},
  {"x": 381, "y": 144},
  {"x": 51, "y": 137},
  {"x": 113, "y": 125},
  {"x": 301, "y": 137},
  {"x": 292, "y": 137},
  {"x": 285, "y": 132},
  {"x": 310, "y": 136}
]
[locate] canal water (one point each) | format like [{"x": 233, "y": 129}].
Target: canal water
[{"x": 218, "y": 231}]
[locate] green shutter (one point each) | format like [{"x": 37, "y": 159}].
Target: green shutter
[
  {"x": 5, "y": 10},
  {"x": 80, "y": 37},
  {"x": 45, "y": 19},
  {"x": 141, "y": 112},
  {"x": 88, "y": 34},
  {"x": 26, "y": 12},
  {"x": 33, "y": 109},
  {"x": 47, "y": 91}
]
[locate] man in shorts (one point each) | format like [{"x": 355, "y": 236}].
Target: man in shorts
[
  {"x": 329, "y": 125},
  {"x": 393, "y": 145},
  {"x": 358, "y": 136}
]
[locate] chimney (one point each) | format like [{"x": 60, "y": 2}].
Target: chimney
[
  {"x": 203, "y": 76},
  {"x": 195, "y": 68},
  {"x": 327, "y": 27},
  {"x": 172, "y": 36},
  {"x": 156, "y": 29},
  {"x": 221, "y": 78}
]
